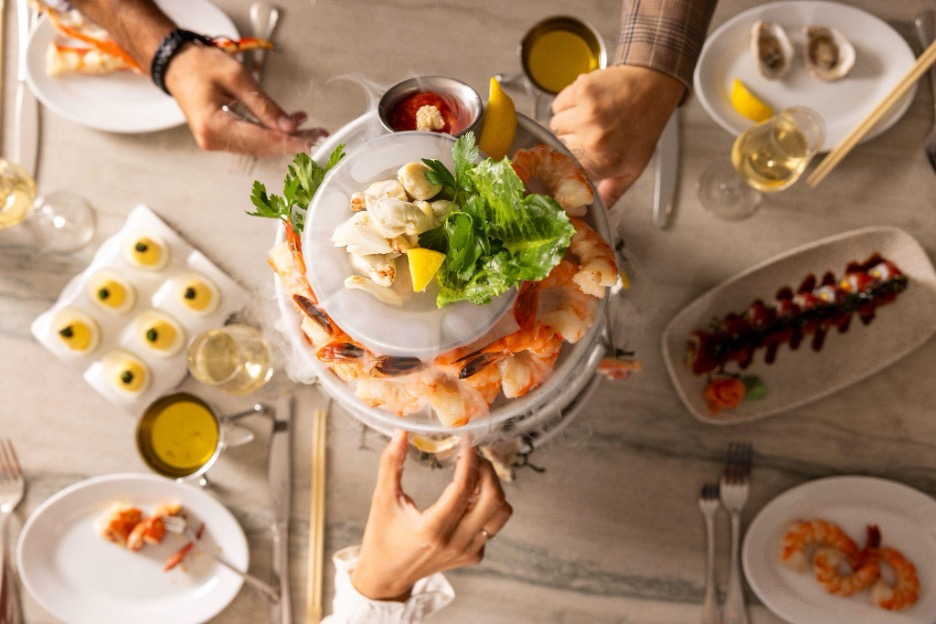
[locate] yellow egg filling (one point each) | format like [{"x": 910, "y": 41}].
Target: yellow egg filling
[
  {"x": 197, "y": 296},
  {"x": 147, "y": 252},
  {"x": 77, "y": 332}
]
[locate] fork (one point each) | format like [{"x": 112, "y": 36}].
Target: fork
[
  {"x": 264, "y": 18},
  {"x": 180, "y": 526},
  {"x": 926, "y": 32},
  {"x": 12, "y": 486},
  {"x": 708, "y": 504},
  {"x": 733, "y": 489}
]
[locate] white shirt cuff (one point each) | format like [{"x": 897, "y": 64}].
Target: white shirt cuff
[{"x": 350, "y": 607}]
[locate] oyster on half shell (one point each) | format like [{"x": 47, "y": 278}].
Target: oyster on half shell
[
  {"x": 828, "y": 54},
  {"x": 772, "y": 48}
]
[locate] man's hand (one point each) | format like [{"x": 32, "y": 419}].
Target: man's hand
[
  {"x": 202, "y": 79},
  {"x": 611, "y": 120}
]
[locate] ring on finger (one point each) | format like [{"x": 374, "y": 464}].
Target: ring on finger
[{"x": 488, "y": 535}]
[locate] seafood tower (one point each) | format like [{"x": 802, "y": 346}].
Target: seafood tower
[{"x": 443, "y": 359}]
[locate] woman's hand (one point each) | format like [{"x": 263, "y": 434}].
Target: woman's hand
[
  {"x": 611, "y": 120},
  {"x": 403, "y": 544},
  {"x": 202, "y": 79}
]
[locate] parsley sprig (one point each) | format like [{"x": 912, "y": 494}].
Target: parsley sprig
[{"x": 301, "y": 182}]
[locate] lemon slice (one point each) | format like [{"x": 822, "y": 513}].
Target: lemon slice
[
  {"x": 423, "y": 265},
  {"x": 748, "y": 104},
  {"x": 433, "y": 445},
  {"x": 500, "y": 123}
]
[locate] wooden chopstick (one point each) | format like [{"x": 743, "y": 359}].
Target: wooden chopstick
[
  {"x": 922, "y": 64},
  {"x": 317, "y": 517}
]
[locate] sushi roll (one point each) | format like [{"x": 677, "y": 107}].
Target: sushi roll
[
  {"x": 75, "y": 332},
  {"x": 196, "y": 293},
  {"x": 146, "y": 251},
  {"x": 125, "y": 373},
  {"x": 159, "y": 333},
  {"x": 111, "y": 292}
]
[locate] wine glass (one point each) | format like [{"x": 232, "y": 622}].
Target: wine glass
[
  {"x": 766, "y": 158},
  {"x": 59, "y": 222}
]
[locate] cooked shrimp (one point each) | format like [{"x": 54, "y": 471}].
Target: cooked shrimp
[
  {"x": 804, "y": 535},
  {"x": 598, "y": 270},
  {"x": 455, "y": 401},
  {"x": 904, "y": 590},
  {"x": 840, "y": 575},
  {"x": 391, "y": 395},
  {"x": 542, "y": 341},
  {"x": 619, "y": 367},
  {"x": 523, "y": 372},
  {"x": 566, "y": 180}
]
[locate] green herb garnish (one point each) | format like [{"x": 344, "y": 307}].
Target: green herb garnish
[
  {"x": 496, "y": 236},
  {"x": 302, "y": 181}
]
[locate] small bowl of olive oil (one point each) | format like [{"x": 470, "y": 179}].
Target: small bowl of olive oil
[
  {"x": 558, "y": 49},
  {"x": 180, "y": 436}
]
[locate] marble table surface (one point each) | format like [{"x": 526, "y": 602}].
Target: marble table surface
[{"x": 608, "y": 531}]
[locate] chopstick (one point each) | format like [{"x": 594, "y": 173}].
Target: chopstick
[
  {"x": 922, "y": 64},
  {"x": 317, "y": 517}
]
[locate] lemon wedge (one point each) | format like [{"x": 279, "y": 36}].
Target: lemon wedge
[
  {"x": 500, "y": 123},
  {"x": 432, "y": 445},
  {"x": 423, "y": 265},
  {"x": 748, "y": 104}
]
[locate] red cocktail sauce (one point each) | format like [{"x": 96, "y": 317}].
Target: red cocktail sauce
[{"x": 403, "y": 115}]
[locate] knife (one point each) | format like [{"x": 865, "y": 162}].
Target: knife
[
  {"x": 279, "y": 474},
  {"x": 26, "y": 109},
  {"x": 667, "y": 172}
]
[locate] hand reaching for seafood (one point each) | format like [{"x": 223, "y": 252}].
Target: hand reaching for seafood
[
  {"x": 611, "y": 120},
  {"x": 202, "y": 79},
  {"x": 403, "y": 544}
]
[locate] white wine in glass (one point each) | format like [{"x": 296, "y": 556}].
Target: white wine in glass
[
  {"x": 766, "y": 158},
  {"x": 17, "y": 194},
  {"x": 234, "y": 358},
  {"x": 59, "y": 222}
]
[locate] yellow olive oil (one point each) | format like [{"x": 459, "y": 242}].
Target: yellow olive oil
[
  {"x": 556, "y": 58},
  {"x": 178, "y": 435}
]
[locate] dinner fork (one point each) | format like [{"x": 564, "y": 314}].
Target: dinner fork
[
  {"x": 709, "y": 504},
  {"x": 264, "y": 18},
  {"x": 733, "y": 489},
  {"x": 12, "y": 486},
  {"x": 926, "y": 32},
  {"x": 180, "y": 526}
]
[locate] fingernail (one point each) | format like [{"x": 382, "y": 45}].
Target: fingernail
[{"x": 286, "y": 123}]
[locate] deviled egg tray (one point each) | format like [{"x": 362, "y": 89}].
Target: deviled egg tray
[{"x": 124, "y": 322}]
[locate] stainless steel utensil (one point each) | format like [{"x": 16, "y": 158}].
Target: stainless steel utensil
[
  {"x": 708, "y": 504},
  {"x": 264, "y": 18},
  {"x": 667, "y": 172},
  {"x": 180, "y": 526},
  {"x": 12, "y": 487},
  {"x": 279, "y": 475},
  {"x": 26, "y": 109},
  {"x": 733, "y": 489},
  {"x": 926, "y": 32}
]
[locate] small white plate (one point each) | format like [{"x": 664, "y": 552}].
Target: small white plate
[
  {"x": 78, "y": 576},
  {"x": 124, "y": 101},
  {"x": 801, "y": 376},
  {"x": 883, "y": 57},
  {"x": 905, "y": 516}
]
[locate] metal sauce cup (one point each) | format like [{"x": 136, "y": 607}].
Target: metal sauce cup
[
  {"x": 583, "y": 31},
  {"x": 464, "y": 101},
  {"x": 223, "y": 429}
]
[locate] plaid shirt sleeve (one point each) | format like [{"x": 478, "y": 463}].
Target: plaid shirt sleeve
[{"x": 665, "y": 35}]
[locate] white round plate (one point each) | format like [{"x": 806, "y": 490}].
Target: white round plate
[
  {"x": 78, "y": 576},
  {"x": 905, "y": 516},
  {"x": 123, "y": 101},
  {"x": 883, "y": 57}
]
